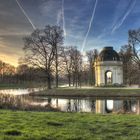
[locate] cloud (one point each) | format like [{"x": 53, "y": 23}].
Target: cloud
[
  {"x": 2, "y": 42},
  {"x": 90, "y": 23},
  {"x": 12, "y": 59},
  {"x": 13, "y": 22},
  {"x": 11, "y": 49},
  {"x": 124, "y": 15},
  {"x": 63, "y": 18},
  {"x": 26, "y": 15},
  {"x": 49, "y": 10},
  {"x": 110, "y": 17},
  {"x": 59, "y": 17}
]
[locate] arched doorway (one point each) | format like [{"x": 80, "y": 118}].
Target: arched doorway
[{"x": 108, "y": 77}]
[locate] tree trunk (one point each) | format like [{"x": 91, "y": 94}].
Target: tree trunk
[
  {"x": 73, "y": 79},
  {"x": 76, "y": 79},
  {"x": 56, "y": 67},
  {"x": 69, "y": 79},
  {"x": 79, "y": 79},
  {"x": 139, "y": 75},
  {"x": 49, "y": 80},
  {"x": 56, "y": 76}
]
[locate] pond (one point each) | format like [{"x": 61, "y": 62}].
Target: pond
[
  {"x": 75, "y": 104},
  {"x": 90, "y": 104}
]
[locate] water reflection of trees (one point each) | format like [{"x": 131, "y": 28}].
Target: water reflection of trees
[
  {"x": 69, "y": 105},
  {"x": 93, "y": 105},
  {"x": 74, "y": 105},
  {"x": 87, "y": 105},
  {"x": 78, "y": 105},
  {"x": 128, "y": 104}
]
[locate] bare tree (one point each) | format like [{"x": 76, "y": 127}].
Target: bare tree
[
  {"x": 30, "y": 75},
  {"x": 6, "y": 72},
  {"x": 67, "y": 59},
  {"x": 72, "y": 59},
  {"x": 56, "y": 40},
  {"x": 76, "y": 66},
  {"x": 92, "y": 55},
  {"x": 126, "y": 55},
  {"x": 134, "y": 41},
  {"x": 40, "y": 49}
]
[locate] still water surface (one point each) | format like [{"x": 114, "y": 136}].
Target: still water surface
[
  {"x": 95, "y": 105},
  {"x": 89, "y": 104}
]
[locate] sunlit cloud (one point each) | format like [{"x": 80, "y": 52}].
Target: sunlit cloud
[{"x": 11, "y": 59}]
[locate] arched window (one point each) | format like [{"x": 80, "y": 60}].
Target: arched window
[{"x": 108, "y": 77}]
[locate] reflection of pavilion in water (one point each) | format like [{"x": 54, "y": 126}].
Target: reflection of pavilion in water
[
  {"x": 96, "y": 106},
  {"x": 118, "y": 106}
]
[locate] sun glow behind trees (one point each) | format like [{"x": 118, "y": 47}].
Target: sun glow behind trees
[{"x": 6, "y": 69}]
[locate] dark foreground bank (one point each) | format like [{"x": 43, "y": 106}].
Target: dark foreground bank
[{"x": 19, "y": 125}]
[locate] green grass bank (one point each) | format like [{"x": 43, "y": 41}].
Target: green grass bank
[
  {"x": 91, "y": 92},
  {"x": 20, "y": 125}
]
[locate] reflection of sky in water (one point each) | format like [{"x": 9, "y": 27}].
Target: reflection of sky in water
[
  {"x": 134, "y": 107},
  {"x": 72, "y": 105},
  {"x": 110, "y": 104},
  {"x": 19, "y": 91}
]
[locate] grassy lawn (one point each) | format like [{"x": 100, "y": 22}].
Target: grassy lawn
[
  {"x": 22, "y": 85},
  {"x": 16, "y": 125},
  {"x": 93, "y": 92},
  {"x": 12, "y": 86}
]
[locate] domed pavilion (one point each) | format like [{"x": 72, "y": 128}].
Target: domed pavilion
[{"x": 108, "y": 68}]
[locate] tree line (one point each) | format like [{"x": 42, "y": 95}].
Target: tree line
[
  {"x": 130, "y": 55},
  {"x": 48, "y": 60}
]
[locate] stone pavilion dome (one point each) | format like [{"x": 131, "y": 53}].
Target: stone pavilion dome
[{"x": 108, "y": 54}]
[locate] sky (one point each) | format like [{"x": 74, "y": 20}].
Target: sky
[{"x": 87, "y": 24}]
